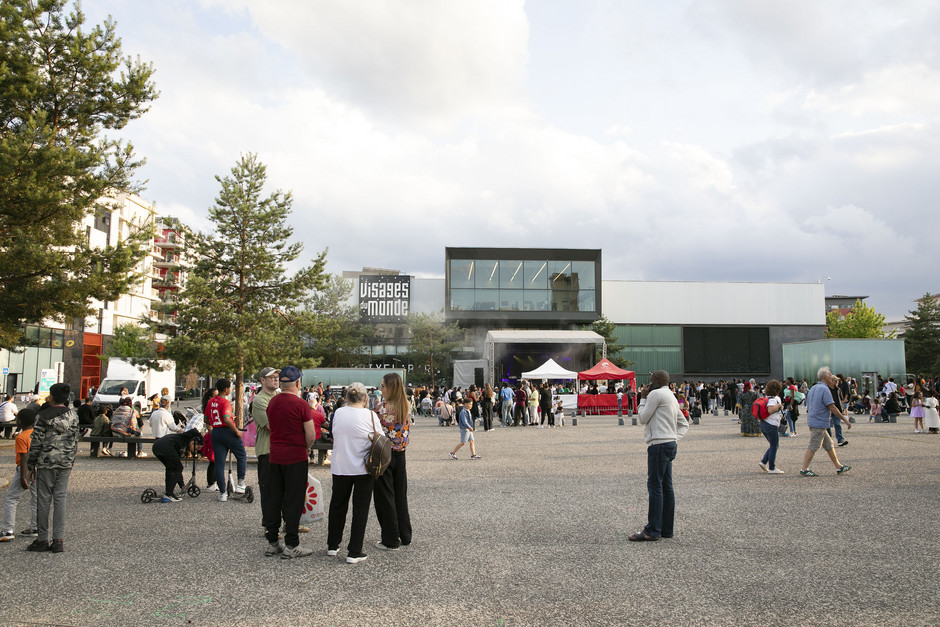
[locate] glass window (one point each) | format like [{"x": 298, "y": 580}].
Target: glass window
[
  {"x": 510, "y": 300},
  {"x": 486, "y": 300},
  {"x": 586, "y": 301},
  {"x": 461, "y": 300},
  {"x": 461, "y": 272},
  {"x": 536, "y": 300},
  {"x": 510, "y": 274},
  {"x": 487, "y": 274},
  {"x": 536, "y": 277},
  {"x": 559, "y": 275},
  {"x": 582, "y": 273},
  {"x": 564, "y": 300}
]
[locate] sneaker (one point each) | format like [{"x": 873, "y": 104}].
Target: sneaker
[
  {"x": 141, "y": 454},
  {"x": 38, "y": 546},
  {"x": 122, "y": 454},
  {"x": 106, "y": 452},
  {"x": 170, "y": 498},
  {"x": 290, "y": 552},
  {"x": 6, "y": 536},
  {"x": 355, "y": 559},
  {"x": 763, "y": 465},
  {"x": 56, "y": 546},
  {"x": 332, "y": 552},
  {"x": 274, "y": 548},
  {"x": 843, "y": 443},
  {"x": 475, "y": 457},
  {"x": 29, "y": 533},
  {"x": 808, "y": 473},
  {"x": 239, "y": 489},
  {"x": 213, "y": 488},
  {"x": 452, "y": 456},
  {"x": 775, "y": 471},
  {"x": 379, "y": 545},
  {"x": 843, "y": 470},
  {"x": 223, "y": 497}
]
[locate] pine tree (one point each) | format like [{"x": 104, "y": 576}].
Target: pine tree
[
  {"x": 922, "y": 338},
  {"x": 334, "y": 325},
  {"x": 62, "y": 88},
  {"x": 237, "y": 309},
  {"x": 605, "y": 328},
  {"x": 432, "y": 344}
]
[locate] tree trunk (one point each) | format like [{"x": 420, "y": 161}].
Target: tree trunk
[{"x": 239, "y": 392}]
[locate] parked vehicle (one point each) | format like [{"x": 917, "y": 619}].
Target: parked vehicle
[{"x": 140, "y": 382}]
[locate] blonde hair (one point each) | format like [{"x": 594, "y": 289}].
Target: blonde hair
[{"x": 396, "y": 401}]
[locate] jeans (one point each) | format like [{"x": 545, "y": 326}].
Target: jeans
[
  {"x": 662, "y": 510},
  {"x": 13, "y": 498},
  {"x": 343, "y": 487},
  {"x": 791, "y": 421},
  {"x": 52, "y": 484},
  {"x": 390, "y": 496},
  {"x": 287, "y": 491},
  {"x": 773, "y": 436},
  {"x": 223, "y": 441},
  {"x": 507, "y": 413},
  {"x": 836, "y": 424}
]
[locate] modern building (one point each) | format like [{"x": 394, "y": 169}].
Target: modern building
[{"x": 694, "y": 330}]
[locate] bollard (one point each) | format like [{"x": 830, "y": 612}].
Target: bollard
[
  {"x": 620, "y": 421},
  {"x": 634, "y": 421},
  {"x": 695, "y": 421},
  {"x": 574, "y": 421},
  {"x": 852, "y": 419},
  {"x": 716, "y": 410},
  {"x": 893, "y": 417}
]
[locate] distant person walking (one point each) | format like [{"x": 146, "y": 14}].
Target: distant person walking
[
  {"x": 820, "y": 406},
  {"x": 664, "y": 426}
]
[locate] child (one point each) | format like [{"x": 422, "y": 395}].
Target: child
[
  {"x": 875, "y": 410},
  {"x": 102, "y": 427},
  {"x": 209, "y": 454},
  {"x": 559, "y": 414},
  {"x": 465, "y": 420},
  {"x": 25, "y": 420},
  {"x": 917, "y": 412},
  {"x": 168, "y": 450}
]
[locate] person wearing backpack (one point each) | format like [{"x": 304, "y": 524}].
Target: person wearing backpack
[{"x": 770, "y": 411}]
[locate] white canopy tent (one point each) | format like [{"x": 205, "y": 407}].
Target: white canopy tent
[{"x": 550, "y": 370}]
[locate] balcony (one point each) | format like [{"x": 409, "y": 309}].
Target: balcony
[
  {"x": 170, "y": 243},
  {"x": 167, "y": 262},
  {"x": 169, "y": 280}
]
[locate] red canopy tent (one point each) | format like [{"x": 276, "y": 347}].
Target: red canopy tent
[{"x": 604, "y": 403}]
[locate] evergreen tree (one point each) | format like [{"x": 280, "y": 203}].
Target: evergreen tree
[
  {"x": 605, "y": 328},
  {"x": 432, "y": 345},
  {"x": 134, "y": 344},
  {"x": 237, "y": 310},
  {"x": 63, "y": 86},
  {"x": 862, "y": 322},
  {"x": 922, "y": 338},
  {"x": 334, "y": 324}
]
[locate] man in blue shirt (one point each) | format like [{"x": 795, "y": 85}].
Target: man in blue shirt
[
  {"x": 820, "y": 406},
  {"x": 506, "y": 396}
]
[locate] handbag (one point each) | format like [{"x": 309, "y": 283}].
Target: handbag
[{"x": 380, "y": 452}]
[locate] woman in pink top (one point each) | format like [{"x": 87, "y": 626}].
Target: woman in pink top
[{"x": 391, "y": 489}]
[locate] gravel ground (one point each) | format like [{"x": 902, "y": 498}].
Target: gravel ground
[{"x": 534, "y": 533}]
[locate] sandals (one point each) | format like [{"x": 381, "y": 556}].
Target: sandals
[{"x": 642, "y": 536}]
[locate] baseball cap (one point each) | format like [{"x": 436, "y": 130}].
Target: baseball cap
[
  {"x": 267, "y": 372},
  {"x": 290, "y": 374}
]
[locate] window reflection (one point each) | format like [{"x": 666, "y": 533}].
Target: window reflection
[
  {"x": 487, "y": 274},
  {"x": 461, "y": 272}
]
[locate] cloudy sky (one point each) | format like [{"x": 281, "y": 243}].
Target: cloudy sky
[{"x": 719, "y": 140}]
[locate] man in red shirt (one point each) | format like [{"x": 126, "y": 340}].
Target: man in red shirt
[
  {"x": 294, "y": 428},
  {"x": 226, "y": 437}
]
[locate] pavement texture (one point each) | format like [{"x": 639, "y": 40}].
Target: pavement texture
[{"x": 535, "y": 533}]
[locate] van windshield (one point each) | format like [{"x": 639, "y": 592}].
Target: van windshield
[{"x": 113, "y": 386}]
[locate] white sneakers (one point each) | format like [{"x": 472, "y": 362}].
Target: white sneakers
[
  {"x": 239, "y": 489},
  {"x": 775, "y": 471},
  {"x": 223, "y": 497}
]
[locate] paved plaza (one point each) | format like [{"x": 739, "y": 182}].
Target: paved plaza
[{"x": 535, "y": 533}]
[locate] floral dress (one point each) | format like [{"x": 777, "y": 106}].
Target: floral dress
[{"x": 750, "y": 426}]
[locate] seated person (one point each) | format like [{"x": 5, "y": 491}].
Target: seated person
[
  {"x": 102, "y": 427},
  {"x": 124, "y": 422}
]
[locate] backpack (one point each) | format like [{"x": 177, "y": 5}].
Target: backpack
[{"x": 759, "y": 408}]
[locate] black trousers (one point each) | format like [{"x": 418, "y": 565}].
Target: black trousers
[
  {"x": 264, "y": 491},
  {"x": 287, "y": 489},
  {"x": 174, "y": 470},
  {"x": 391, "y": 502},
  {"x": 344, "y": 486},
  {"x": 487, "y": 417}
]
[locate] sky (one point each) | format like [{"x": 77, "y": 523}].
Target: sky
[{"x": 721, "y": 140}]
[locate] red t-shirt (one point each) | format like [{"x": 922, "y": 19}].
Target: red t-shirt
[
  {"x": 287, "y": 414},
  {"x": 216, "y": 408}
]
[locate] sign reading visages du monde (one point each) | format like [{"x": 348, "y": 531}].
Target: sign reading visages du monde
[{"x": 384, "y": 298}]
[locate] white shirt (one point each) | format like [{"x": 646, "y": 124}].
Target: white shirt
[
  {"x": 351, "y": 428},
  {"x": 774, "y": 418},
  {"x": 7, "y": 411},
  {"x": 161, "y": 423}
]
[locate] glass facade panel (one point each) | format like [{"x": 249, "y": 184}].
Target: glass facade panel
[
  {"x": 486, "y": 300},
  {"x": 510, "y": 274},
  {"x": 564, "y": 300},
  {"x": 487, "y": 274},
  {"x": 582, "y": 273},
  {"x": 559, "y": 275},
  {"x": 536, "y": 276},
  {"x": 461, "y": 273},
  {"x": 461, "y": 300},
  {"x": 510, "y": 300},
  {"x": 536, "y": 300},
  {"x": 586, "y": 301}
]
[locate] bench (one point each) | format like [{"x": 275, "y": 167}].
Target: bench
[
  {"x": 131, "y": 441},
  {"x": 321, "y": 448}
]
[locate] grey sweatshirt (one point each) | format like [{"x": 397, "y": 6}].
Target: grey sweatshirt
[{"x": 662, "y": 420}]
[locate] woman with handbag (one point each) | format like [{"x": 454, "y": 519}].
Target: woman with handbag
[
  {"x": 391, "y": 488},
  {"x": 352, "y": 426}
]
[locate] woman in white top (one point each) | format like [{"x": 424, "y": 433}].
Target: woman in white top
[
  {"x": 351, "y": 427},
  {"x": 770, "y": 426},
  {"x": 931, "y": 417}
]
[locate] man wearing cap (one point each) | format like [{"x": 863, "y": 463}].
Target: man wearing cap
[
  {"x": 294, "y": 428},
  {"x": 258, "y": 410}
]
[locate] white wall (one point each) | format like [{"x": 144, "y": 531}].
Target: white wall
[{"x": 688, "y": 303}]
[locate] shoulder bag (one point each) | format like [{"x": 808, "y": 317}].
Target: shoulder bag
[{"x": 380, "y": 452}]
